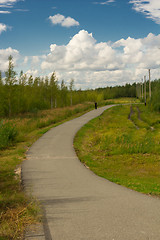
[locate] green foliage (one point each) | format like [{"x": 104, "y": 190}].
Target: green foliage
[
  {"x": 1, "y": 83},
  {"x": 155, "y": 100},
  {"x": 16, "y": 210},
  {"x": 27, "y": 94},
  {"x": 10, "y": 74},
  {"x": 123, "y": 150},
  {"x": 8, "y": 134}
]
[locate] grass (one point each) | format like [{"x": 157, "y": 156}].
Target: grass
[
  {"x": 17, "y": 210},
  {"x": 122, "y": 150},
  {"x": 121, "y": 101}
]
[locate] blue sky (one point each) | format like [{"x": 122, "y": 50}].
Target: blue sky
[{"x": 98, "y": 43}]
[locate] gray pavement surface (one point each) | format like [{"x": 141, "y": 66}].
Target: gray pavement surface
[{"x": 78, "y": 205}]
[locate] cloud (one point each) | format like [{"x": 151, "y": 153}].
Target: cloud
[
  {"x": 34, "y": 73},
  {"x": 59, "y": 19},
  {"x": 35, "y": 60},
  {"x": 4, "y": 54},
  {"x": 94, "y": 64},
  {"x": 5, "y": 12},
  {"x": 82, "y": 53},
  {"x": 105, "y": 3},
  {"x": 142, "y": 53},
  {"x": 21, "y": 10},
  {"x": 25, "y": 61},
  {"x": 7, "y": 3},
  {"x": 150, "y": 8},
  {"x": 3, "y": 27}
]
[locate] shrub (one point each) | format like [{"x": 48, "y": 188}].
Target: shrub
[{"x": 8, "y": 134}]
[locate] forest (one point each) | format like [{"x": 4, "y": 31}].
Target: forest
[
  {"x": 19, "y": 95},
  {"x": 22, "y": 94}
]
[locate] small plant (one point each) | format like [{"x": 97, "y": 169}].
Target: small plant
[{"x": 8, "y": 134}]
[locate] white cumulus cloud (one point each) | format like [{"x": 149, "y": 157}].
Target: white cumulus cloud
[
  {"x": 63, "y": 21},
  {"x": 151, "y": 8},
  {"x": 34, "y": 73},
  {"x": 94, "y": 64},
  {"x": 25, "y": 61},
  {"x": 4, "y": 54},
  {"x": 82, "y": 53},
  {"x": 35, "y": 60}
]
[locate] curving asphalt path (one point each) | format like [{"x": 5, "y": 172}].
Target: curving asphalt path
[{"x": 79, "y": 205}]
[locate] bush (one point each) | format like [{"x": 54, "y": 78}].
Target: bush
[{"x": 8, "y": 134}]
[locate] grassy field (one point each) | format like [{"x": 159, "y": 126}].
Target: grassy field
[
  {"x": 16, "y": 209},
  {"x": 121, "y": 101},
  {"x": 123, "y": 146}
]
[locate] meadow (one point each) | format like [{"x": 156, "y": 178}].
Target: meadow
[
  {"x": 17, "y": 210},
  {"x": 123, "y": 146},
  {"x": 103, "y": 155}
]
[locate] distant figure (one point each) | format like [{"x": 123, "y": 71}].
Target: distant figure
[{"x": 95, "y": 105}]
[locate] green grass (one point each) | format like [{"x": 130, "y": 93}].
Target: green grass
[
  {"x": 123, "y": 151},
  {"x": 16, "y": 209},
  {"x": 121, "y": 101}
]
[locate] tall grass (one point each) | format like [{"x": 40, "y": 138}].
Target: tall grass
[
  {"x": 8, "y": 134},
  {"x": 16, "y": 209},
  {"x": 16, "y": 135},
  {"x": 125, "y": 151}
]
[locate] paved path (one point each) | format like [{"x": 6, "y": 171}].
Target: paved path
[{"x": 79, "y": 205}]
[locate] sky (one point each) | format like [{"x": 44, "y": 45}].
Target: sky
[{"x": 97, "y": 43}]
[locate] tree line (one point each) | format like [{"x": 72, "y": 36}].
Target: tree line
[
  {"x": 154, "y": 102},
  {"x": 23, "y": 94}
]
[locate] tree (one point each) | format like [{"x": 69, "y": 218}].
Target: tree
[
  {"x": 10, "y": 74},
  {"x": 63, "y": 93},
  {"x": 71, "y": 85},
  {"x": 53, "y": 89},
  {"x": 1, "y": 95},
  {"x": 36, "y": 82},
  {"x": 10, "y": 80},
  {"x": 1, "y": 82},
  {"x": 21, "y": 93},
  {"x": 20, "y": 77},
  {"x": 30, "y": 81}
]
